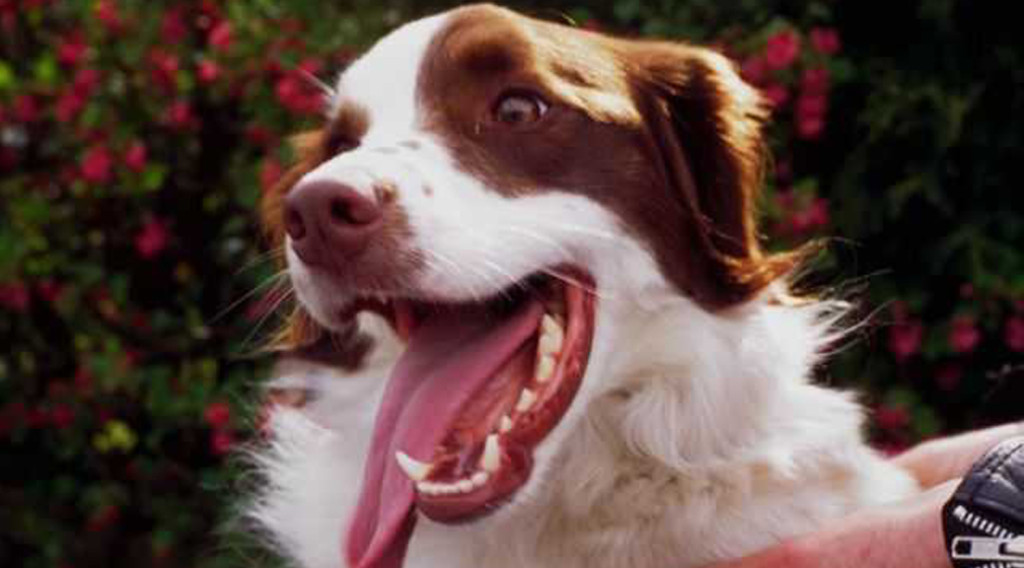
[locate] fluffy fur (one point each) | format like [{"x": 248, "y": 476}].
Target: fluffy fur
[{"x": 697, "y": 435}]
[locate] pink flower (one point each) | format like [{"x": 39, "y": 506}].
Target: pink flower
[
  {"x": 72, "y": 50},
  {"x": 776, "y": 94},
  {"x": 50, "y": 291},
  {"x": 163, "y": 70},
  {"x": 259, "y": 135},
  {"x": 152, "y": 239},
  {"x": 891, "y": 418},
  {"x": 754, "y": 69},
  {"x": 135, "y": 156},
  {"x": 26, "y": 108},
  {"x": 270, "y": 172},
  {"x": 179, "y": 116},
  {"x": 96, "y": 164},
  {"x": 963, "y": 334},
  {"x": 810, "y": 115},
  {"x": 217, "y": 414},
  {"x": 83, "y": 381},
  {"x": 825, "y": 40},
  {"x": 817, "y": 214},
  {"x": 106, "y": 12},
  {"x": 782, "y": 49},
  {"x": 1013, "y": 333},
  {"x": 14, "y": 296},
  {"x": 221, "y": 441},
  {"x": 220, "y": 36},
  {"x": 208, "y": 71},
  {"x": 815, "y": 81},
  {"x": 905, "y": 339},
  {"x": 172, "y": 27},
  {"x": 62, "y": 416},
  {"x": 69, "y": 105},
  {"x": 297, "y": 95}
]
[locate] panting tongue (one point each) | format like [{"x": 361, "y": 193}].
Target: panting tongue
[{"x": 449, "y": 357}]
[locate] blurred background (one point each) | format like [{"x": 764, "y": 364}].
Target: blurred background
[{"x": 136, "y": 137}]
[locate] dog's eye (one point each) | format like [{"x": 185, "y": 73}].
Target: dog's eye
[{"x": 518, "y": 109}]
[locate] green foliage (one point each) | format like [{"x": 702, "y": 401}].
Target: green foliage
[{"x": 136, "y": 138}]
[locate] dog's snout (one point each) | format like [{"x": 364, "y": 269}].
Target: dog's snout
[{"x": 330, "y": 219}]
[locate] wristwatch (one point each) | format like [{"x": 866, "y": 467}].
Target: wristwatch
[{"x": 984, "y": 520}]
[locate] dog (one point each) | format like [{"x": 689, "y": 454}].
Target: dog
[{"x": 535, "y": 325}]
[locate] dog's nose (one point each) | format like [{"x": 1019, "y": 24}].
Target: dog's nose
[{"x": 327, "y": 219}]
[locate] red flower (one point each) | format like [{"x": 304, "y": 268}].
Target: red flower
[
  {"x": 172, "y": 27},
  {"x": 85, "y": 82},
  {"x": 258, "y": 135},
  {"x": 208, "y": 71},
  {"x": 152, "y": 239},
  {"x": 221, "y": 441},
  {"x": 72, "y": 50},
  {"x": 106, "y": 12},
  {"x": 754, "y": 70},
  {"x": 220, "y": 36},
  {"x": 50, "y": 291},
  {"x": 83, "y": 380},
  {"x": 135, "y": 156},
  {"x": 1013, "y": 333},
  {"x": 905, "y": 339},
  {"x": 781, "y": 50},
  {"x": 179, "y": 116},
  {"x": 891, "y": 417},
  {"x": 217, "y": 414},
  {"x": 810, "y": 115},
  {"x": 96, "y": 164},
  {"x": 164, "y": 68},
  {"x": 270, "y": 172},
  {"x": 815, "y": 81},
  {"x": 62, "y": 416},
  {"x": 14, "y": 296},
  {"x": 69, "y": 105},
  {"x": 963, "y": 335},
  {"x": 297, "y": 95},
  {"x": 776, "y": 94},
  {"x": 26, "y": 108},
  {"x": 825, "y": 40}
]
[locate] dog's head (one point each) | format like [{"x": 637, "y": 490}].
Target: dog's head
[{"x": 501, "y": 189}]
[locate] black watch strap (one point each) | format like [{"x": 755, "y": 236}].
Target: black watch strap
[{"x": 984, "y": 520}]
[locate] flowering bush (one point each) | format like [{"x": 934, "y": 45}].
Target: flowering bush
[{"x": 135, "y": 139}]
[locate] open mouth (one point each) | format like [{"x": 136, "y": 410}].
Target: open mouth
[{"x": 478, "y": 388}]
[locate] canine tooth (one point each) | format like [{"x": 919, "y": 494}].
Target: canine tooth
[
  {"x": 479, "y": 478},
  {"x": 491, "y": 458},
  {"x": 464, "y": 486},
  {"x": 526, "y": 400},
  {"x": 415, "y": 469},
  {"x": 551, "y": 337},
  {"x": 505, "y": 425},
  {"x": 545, "y": 368}
]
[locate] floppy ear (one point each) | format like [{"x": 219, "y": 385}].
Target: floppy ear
[
  {"x": 707, "y": 124},
  {"x": 299, "y": 329}
]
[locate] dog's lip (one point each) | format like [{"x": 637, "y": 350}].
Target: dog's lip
[{"x": 489, "y": 458}]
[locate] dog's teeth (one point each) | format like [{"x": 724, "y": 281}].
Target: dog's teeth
[
  {"x": 505, "y": 425},
  {"x": 551, "y": 336},
  {"x": 545, "y": 368},
  {"x": 526, "y": 400},
  {"x": 480, "y": 478},
  {"x": 415, "y": 469},
  {"x": 426, "y": 487},
  {"x": 464, "y": 486},
  {"x": 491, "y": 458}
]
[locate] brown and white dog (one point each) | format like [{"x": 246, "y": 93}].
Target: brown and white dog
[{"x": 536, "y": 326}]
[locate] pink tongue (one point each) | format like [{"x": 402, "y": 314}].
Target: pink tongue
[{"x": 448, "y": 358}]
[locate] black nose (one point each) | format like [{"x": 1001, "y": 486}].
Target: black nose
[{"x": 327, "y": 219}]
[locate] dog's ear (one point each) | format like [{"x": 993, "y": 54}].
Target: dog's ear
[
  {"x": 299, "y": 329},
  {"x": 707, "y": 125}
]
